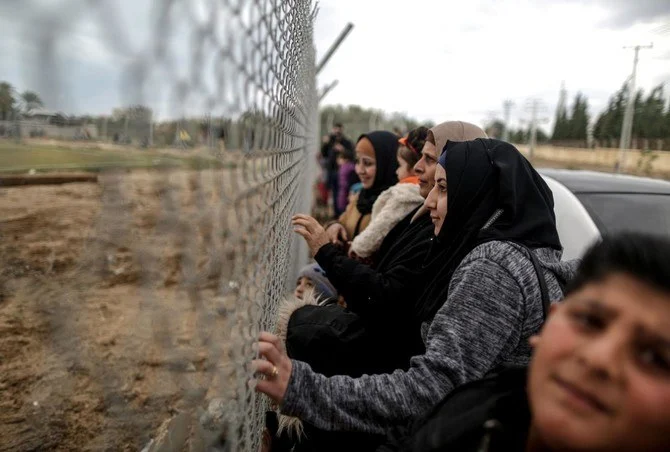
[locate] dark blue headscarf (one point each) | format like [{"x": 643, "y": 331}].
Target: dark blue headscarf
[{"x": 487, "y": 180}]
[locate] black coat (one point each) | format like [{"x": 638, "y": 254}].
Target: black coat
[
  {"x": 372, "y": 336},
  {"x": 382, "y": 295},
  {"x": 489, "y": 415}
]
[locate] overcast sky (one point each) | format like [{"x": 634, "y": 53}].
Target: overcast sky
[
  {"x": 431, "y": 59},
  {"x": 460, "y": 59}
]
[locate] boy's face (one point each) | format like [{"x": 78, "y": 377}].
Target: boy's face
[{"x": 600, "y": 374}]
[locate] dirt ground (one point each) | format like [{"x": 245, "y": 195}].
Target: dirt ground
[{"x": 99, "y": 344}]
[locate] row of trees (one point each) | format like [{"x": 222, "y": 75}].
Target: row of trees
[
  {"x": 12, "y": 102},
  {"x": 651, "y": 119},
  {"x": 572, "y": 125},
  {"x": 523, "y": 136},
  {"x": 357, "y": 120},
  {"x": 495, "y": 129}
]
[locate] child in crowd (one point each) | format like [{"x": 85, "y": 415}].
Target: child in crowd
[
  {"x": 312, "y": 277},
  {"x": 346, "y": 177},
  {"x": 312, "y": 288},
  {"x": 599, "y": 378},
  {"x": 396, "y": 202}
]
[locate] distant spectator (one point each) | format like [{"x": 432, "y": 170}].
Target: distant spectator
[
  {"x": 346, "y": 177},
  {"x": 332, "y": 144},
  {"x": 314, "y": 277}
]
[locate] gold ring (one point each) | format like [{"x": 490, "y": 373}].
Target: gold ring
[{"x": 274, "y": 372}]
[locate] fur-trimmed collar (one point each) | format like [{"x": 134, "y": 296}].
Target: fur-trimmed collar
[{"x": 292, "y": 425}]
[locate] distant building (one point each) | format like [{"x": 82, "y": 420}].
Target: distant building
[
  {"x": 43, "y": 123},
  {"x": 44, "y": 116}
]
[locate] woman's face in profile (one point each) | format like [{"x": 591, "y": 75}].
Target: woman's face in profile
[
  {"x": 366, "y": 162},
  {"x": 436, "y": 202}
]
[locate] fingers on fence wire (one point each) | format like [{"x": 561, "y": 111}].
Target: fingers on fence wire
[{"x": 272, "y": 339}]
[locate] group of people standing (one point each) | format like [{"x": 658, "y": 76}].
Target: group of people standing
[
  {"x": 438, "y": 315},
  {"x": 338, "y": 174}
]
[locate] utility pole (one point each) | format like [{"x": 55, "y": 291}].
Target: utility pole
[
  {"x": 627, "y": 126},
  {"x": 533, "y": 130},
  {"x": 535, "y": 106},
  {"x": 589, "y": 133},
  {"x": 372, "y": 122},
  {"x": 125, "y": 128},
  {"x": 507, "y": 108},
  {"x": 151, "y": 129},
  {"x": 561, "y": 108}
]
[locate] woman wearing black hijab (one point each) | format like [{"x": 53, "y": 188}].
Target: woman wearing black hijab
[
  {"x": 490, "y": 209},
  {"x": 376, "y": 164}
]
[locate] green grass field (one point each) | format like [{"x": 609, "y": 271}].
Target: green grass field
[{"x": 22, "y": 157}]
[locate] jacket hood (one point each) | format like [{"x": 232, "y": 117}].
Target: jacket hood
[{"x": 550, "y": 259}]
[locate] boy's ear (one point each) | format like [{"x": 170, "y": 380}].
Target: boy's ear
[{"x": 535, "y": 339}]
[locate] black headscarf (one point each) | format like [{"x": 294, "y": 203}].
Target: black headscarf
[
  {"x": 489, "y": 183},
  {"x": 385, "y": 145}
]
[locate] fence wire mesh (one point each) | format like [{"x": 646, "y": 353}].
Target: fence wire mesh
[{"x": 130, "y": 301}]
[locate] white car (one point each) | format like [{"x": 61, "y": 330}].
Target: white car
[{"x": 589, "y": 204}]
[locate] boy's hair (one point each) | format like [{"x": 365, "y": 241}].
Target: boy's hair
[
  {"x": 416, "y": 138},
  {"x": 642, "y": 256}
]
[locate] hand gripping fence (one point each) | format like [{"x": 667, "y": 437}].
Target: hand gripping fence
[{"x": 199, "y": 118}]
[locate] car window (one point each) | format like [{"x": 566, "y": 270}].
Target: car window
[{"x": 640, "y": 212}]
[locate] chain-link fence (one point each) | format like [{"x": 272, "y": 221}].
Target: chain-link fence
[{"x": 129, "y": 306}]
